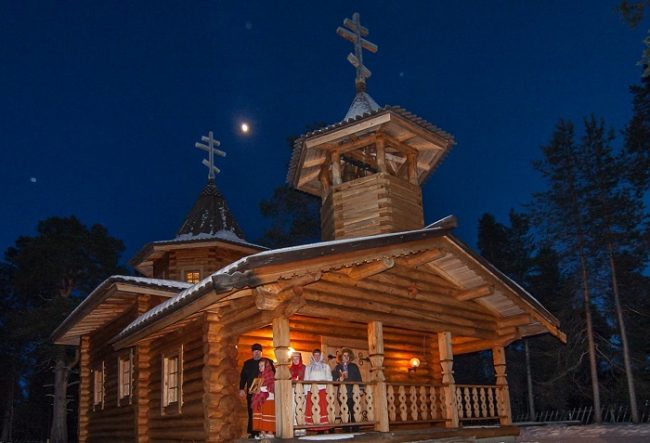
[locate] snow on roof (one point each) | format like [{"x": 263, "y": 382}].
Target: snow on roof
[
  {"x": 224, "y": 280},
  {"x": 98, "y": 295},
  {"x": 362, "y": 104}
]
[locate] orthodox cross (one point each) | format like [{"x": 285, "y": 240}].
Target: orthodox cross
[
  {"x": 211, "y": 148},
  {"x": 355, "y": 33}
]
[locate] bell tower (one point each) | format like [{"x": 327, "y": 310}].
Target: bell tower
[{"x": 369, "y": 168}]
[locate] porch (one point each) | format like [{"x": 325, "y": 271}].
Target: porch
[{"x": 437, "y": 404}]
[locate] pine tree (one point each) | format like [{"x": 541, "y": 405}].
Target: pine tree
[
  {"x": 636, "y": 149},
  {"x": 614, "y": 216},
  {"x": 50, "y": 274},
  {"x": 561, "y": 212}
]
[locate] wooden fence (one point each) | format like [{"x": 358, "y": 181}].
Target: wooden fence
[{"x": 585, "y": 415}]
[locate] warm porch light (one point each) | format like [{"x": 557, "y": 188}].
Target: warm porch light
[{"x": 413, "y": 364}]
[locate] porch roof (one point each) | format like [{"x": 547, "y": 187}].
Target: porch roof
[
  {"x": 110, "y": 299},
  {"x": 269, "y": 280}
]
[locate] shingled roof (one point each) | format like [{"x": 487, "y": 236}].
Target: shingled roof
[{"x": 210, "y": 217}]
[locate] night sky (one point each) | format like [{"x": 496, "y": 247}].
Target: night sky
[{"x": 101, "y": 102}]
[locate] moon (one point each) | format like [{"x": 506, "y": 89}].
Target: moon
[{"x": 244, "y": 128}]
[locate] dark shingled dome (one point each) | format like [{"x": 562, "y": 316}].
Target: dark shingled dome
[{"x": 210, "y": 216}]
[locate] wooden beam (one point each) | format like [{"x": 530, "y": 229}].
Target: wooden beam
[
  {"x": 368, "y": 269},
  {"x": 283, "y": 392},
  {"x": 517, "y": 320},
  {"x": 347, "y": 130},
  {"x": 474, "y": 293},
  {"x": 421, "y": 258},
  {"x": 381, "y": 153}
]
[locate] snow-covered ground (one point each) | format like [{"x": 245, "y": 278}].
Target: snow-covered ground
[{"x": 582, "y": 434}]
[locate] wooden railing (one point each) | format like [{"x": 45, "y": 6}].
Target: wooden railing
[
  {"x": 479, "y": 402},
  {"x": 348, "y": 404},
  {"x": 410, "y": 403},
  {"x": 352, "y": 404}
]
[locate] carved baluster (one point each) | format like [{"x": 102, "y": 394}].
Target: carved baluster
[
  {"x": 392, "y": 411},
  {"x": 403, "y": 413},
  {"x": 475, "y": 402},
  {"x": 491, "y": 401},
  {"x": 331, "y": 402},
  {"x": 459, "y": 402},
  {"x": 343, "y": 399},
  {"x": 414, "y": 402},
  {"x": 434, "y": 402},
  {"x": 483, "y": 405},
  {"x": 423, "y": 402},
  {"x": 468, "y": 402},
  {"x": 315, "y": 404},
  {"x": 370, "y": 402},
  {"x": 503, "y": 394},
  {"x": 356, "y": 405},
  {"x": 300, "y": 401}
]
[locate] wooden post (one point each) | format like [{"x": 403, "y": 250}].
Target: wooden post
[
  {"x": 221, "y": 405},
  {"x": 412, "y": 164},
  {"x": 448, "y": 382},
  {"x": 376, "y": 354},
  {"x": 283, "y": 391},
  {"x": 503, "y": 393},
  {"x": 336, "y": 168},
  {"x": 84, "y": 387},
  {"x": 381, "y": 153}
]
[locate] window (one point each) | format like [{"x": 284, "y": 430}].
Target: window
[
  {"x": 124, "y": 378},
  {"x": 98, "y": 387},
  {"x": 192, "y": 277},
  {"x": 172, "y": 389}
]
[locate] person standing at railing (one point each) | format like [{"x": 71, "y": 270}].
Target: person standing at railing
[
  {"x": 249, "y": 372},
  {"x": 297, "y": 367},
  {"x": 348, "y": 371},
  {"x": 263, "y": 403},
  {"x": 317, "y": 370}
]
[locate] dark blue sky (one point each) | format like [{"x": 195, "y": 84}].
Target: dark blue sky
[{"x": 101, "y": 102}]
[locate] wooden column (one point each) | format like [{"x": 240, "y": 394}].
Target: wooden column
[
  {"x": 448, "y": 382},
  {"x": 336, "y": 168},
  {"x": 381, "y": 153},
  {"x": 503, "y": 393},
  {"x": 376, "y": 354},
  {"x": 84, "y": 387},
  {"x": 283, "y": 391},
  {"x": 412, "y": 164},
  {"x": 221, "y": 405}
]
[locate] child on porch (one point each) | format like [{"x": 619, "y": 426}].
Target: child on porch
[
  {"x": 263, "y": 402},
  {"x": 317, "y": 370}
]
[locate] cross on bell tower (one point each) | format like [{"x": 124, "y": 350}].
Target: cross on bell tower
[
  {"x": 211, "y": 149},
  {"x": 355, "y": 33}
]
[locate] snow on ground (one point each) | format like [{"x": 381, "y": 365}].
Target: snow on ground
[{"x": 607, "y": 433}]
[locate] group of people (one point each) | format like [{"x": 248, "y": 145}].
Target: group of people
[{"x": 257, "y": 385}]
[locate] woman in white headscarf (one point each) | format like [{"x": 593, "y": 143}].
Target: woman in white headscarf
[{"x": 317, "y": 370}]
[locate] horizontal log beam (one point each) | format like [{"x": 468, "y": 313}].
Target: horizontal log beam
[
  {"x": 362, "y": 271},
  {"x": 474, "y": 293},
  {"x": 421, "y": 258}
]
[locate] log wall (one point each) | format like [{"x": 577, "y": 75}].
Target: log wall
[
  {"x": 113, "y": 422},
  {"x": 375, "y": 204},
  {"x": 206, "y": 260},
  {"x": 170, "y": 424}
]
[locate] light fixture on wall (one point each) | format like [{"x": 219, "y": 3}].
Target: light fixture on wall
[
  {"x": 413, "y": 365},
  {"x": 290, "y": 351}
]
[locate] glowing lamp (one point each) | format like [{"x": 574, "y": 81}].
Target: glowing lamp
[{"x": 413, "y": 364}]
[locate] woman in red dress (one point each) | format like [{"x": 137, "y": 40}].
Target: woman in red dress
[{"x": 263, "y": 402}]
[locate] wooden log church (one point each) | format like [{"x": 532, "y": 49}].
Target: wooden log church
[{"x": 161, "y": 353}]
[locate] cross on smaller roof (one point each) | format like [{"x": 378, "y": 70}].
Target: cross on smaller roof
[
  {"x": 355, "y": 33},
  {"x": 211, "y": 148}
]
